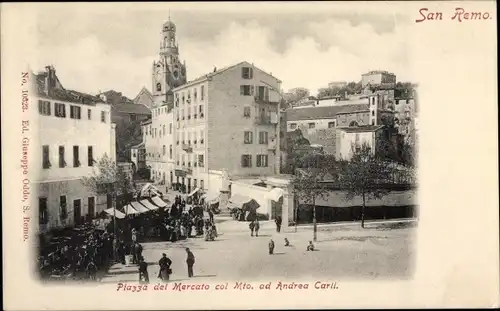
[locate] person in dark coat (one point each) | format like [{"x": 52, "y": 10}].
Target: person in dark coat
[
  {"x": 190, "y": 262},
  {"x": 137, "y": 251},
  {"x": 165, "y": 270},
  {"x": 252, "y": 227},
  {"x": 143, "y": 271},
  {"x": 278, "y": 223},
  {"x": 257, "y": 227},
  {"x": 310, "y": 247},
  {"x": 271, "y": 247}
]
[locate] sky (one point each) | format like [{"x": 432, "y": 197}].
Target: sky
[{"x": 98, "y": 47}]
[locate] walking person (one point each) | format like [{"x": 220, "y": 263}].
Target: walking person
[
  {"x": 257, "y": 227},
  {"x": 190, "y": 262},
  {"x": 165, "y": 270},
  {"x": 278, "y": 223},
  {"x": 271, "y": 247},
  {"x": 143, "y": 271},
  {"x": 252, "y": 227}
]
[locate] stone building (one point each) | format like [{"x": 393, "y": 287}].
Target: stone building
[
  {"x": 378, "y": 78},
  {"x": 73, "y": 131}
]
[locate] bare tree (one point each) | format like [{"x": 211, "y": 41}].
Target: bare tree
[
  {"x": 308, "y": 185},
  {"x": 363, "y": 174}
]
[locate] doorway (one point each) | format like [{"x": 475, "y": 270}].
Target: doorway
[{"x": 77, "y": 211}]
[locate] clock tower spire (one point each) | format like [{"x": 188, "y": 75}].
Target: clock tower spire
[{"x": 169, "y": 72}]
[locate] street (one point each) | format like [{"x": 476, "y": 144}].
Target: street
[{"x": 342, "y": 252}]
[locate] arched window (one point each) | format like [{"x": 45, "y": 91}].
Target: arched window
[
  {"x": 353, "y": 124},
  {"x": 158, "y": 87}
]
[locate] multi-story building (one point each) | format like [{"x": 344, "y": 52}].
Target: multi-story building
[
  {"x": 227, "y": 121},
  {"x": 73, "y": 131},
  {"x": 378, "y": 78},
  {"x": 167, "y": 73},
  {"x": 320, "y": 125}
]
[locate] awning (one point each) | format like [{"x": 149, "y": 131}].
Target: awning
[
  {"x": 118, "y": 214},
  {"x": 211, "y": 198},
  {"x": 194, "y": 191},
  {"x": 149, "y": 188},
  {"x": 239, "y": 199},
  {"x": 139, "y": 207},
  {"x": 149, "y": 205},
  {"x": 275, "y": 194},
  {"x": 243, "y": 202},
  {"x": 158, "y": 201},
  {"x": 129, "y": 210}
]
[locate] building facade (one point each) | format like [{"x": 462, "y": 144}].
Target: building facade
[
  {"x": 378, "y": 78},
  {"x": 227, "y": 121},
  {"x": 74, "y": 130}
]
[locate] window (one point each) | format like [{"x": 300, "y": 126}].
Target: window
[
  {"x": 75, "y": 112},
  {"x": 263, "y": 93},
  {"x": 262, "y": 160},
  {"x": 60, "y": 110},
  {"x": 202, "y": 92},
  {"x": 202, "y": 184},
  {"x": 201, "y": 111},
  {"x": 262, "y": 137},
  {"x": 76, "y": 156},
  {"x": 63, "y": 208},
  {"x": 45, "y": 157},
  {"x": 293, "y": 126},
  {"x": 373, "y": 122},
  {"x": 43, "y": 212},
  {"x": 89, "y": 114},
  {"x": 133, "y": 117},
  {"x": 164, "y": 149},
  {"x": 201, "y": 160},
  {"x": 195, "y": 183},
  {"x": 312, "y": 125},
  {"x": 246, "y": 90},
  {"x": 44, "y": 107},
  {"x": 91, "y": 201},
  {"x": 353, "y": 124},
  {"x": 103, "y": 116},
  {"x": 62, "y": 162},
  {"x": 356, "y": 139},
  {"x": 373, "y": 112},
  {"x": 158, "y": 87},
  {"x": 170, "y": 151},
  {"x": 170, "y": 128},
  {"x": 246, "y": 160},
  {"x": 163, "y": 129},
  {"x": 248, "y": 139},
  {"x": 246, "y": 112},
  {"x": 331, "y": 125},
  {"x": 247, "y": 73}
]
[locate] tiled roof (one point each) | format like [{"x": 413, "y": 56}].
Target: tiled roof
[
  {"x": 361, "y": 129},
  {"x": 131, "y": 108},
  {"x": 211, "y": 74},
  {"x": 63, "y": 94},
  {"x": 328, "y": 112}
]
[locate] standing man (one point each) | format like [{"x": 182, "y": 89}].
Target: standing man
[
  {"x": 165, "y": 270},
  {"x": 143, "y": 271},
  {"x": 257, "y": 227},
  {"x": 271, "y": 247},
  {"x": 252, "y": 227},
  {"x": 190, "y": 262},
  {"x": 278, "y": 223}
]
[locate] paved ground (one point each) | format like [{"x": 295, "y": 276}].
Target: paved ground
[{"x": 344, "y": 252}]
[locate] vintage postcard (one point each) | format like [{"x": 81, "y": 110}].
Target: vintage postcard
[{"x": 249, "y": 155}]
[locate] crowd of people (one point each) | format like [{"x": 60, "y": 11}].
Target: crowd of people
[{"x": 77, "y": 254}]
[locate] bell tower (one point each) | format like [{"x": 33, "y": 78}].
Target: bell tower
[{"x": 168, "y": 71}]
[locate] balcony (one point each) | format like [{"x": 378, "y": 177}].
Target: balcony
[
  {"x": 187, "y": 148},
  {"x": 263, "y": 120},
  {"x": 186, "y": 170}
]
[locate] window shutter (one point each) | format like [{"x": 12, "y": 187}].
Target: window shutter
[
  {"x": 250, "y": 73},
  {"x": 252, "y": 90},
  {"x": 243, "y": 161},
  {"x": 242, "y": 89}
]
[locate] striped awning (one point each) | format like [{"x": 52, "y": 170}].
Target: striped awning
[
  {"x": 158, "y": 201},
  {"x": 139, "y": 207},
  {"x": 129, "y": 210},
  {"x": 149, "y": 205},
  {"x": 118, "y": 214}
]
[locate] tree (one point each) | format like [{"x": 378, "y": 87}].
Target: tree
[
  {"x": 362, "y": 175},
  {"x": 109, "y": 179},
  {"x": 295, "y": 95},
  {"x": 307, "y": 184},
  {"x": 128, "y": 134}
]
